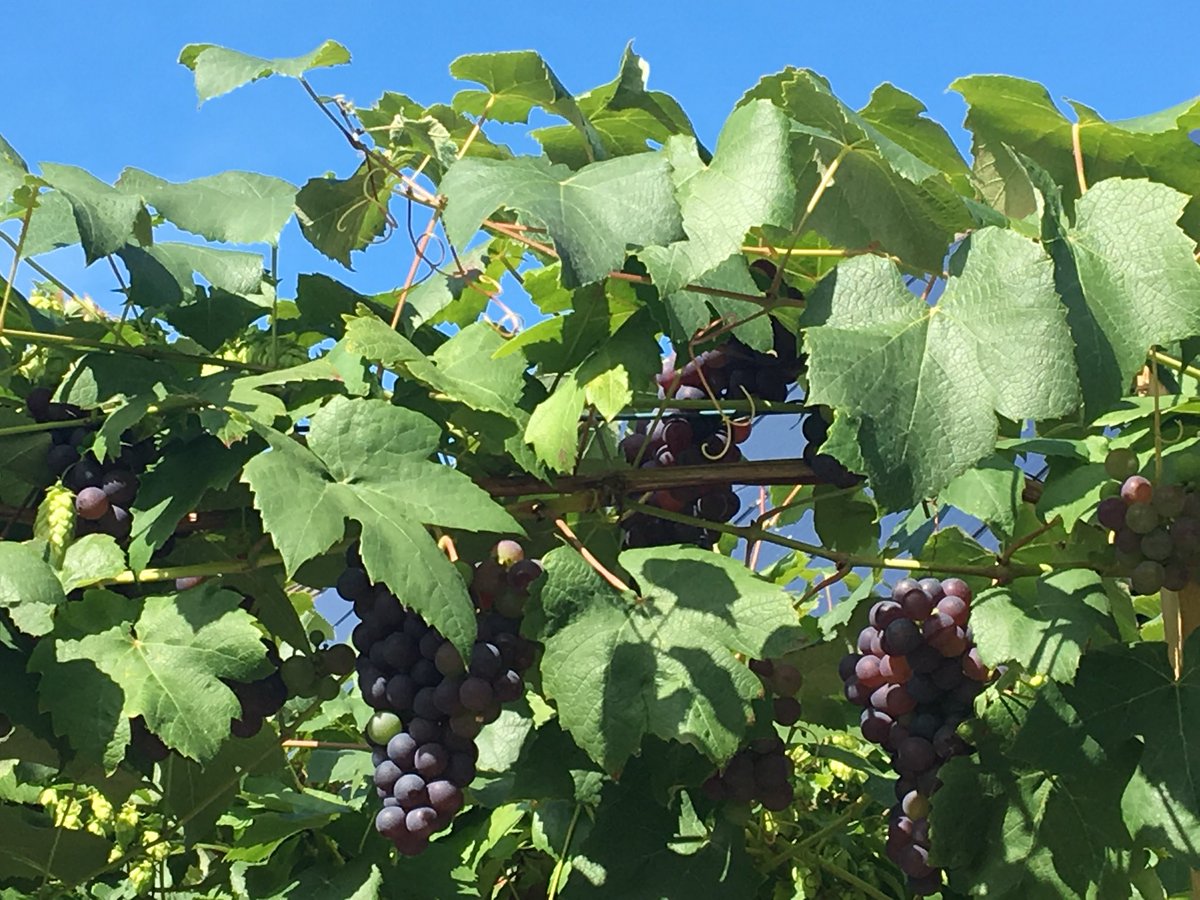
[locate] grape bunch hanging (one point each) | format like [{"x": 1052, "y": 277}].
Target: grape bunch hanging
[
  {"x": 731, "y": 371},
  {"x": 103, "y": 491},
  {"x": 1155, "y": 527},
  {"x": 916, "y": 674},
  {"x": 431, "y": 704}
]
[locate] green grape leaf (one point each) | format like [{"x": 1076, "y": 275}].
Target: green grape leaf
[
  {"x": 161, "y": 275},
  {"x": 212, "y": 317},
  {"x": 107, "y": 218},
  {"x": 171, "y": 490},
  {"x": 628, "y": 853},
  {"x": 1045, "y": 624},
  {"x": 89, "y": 559},
  {"x": 920, "y": 385},
  {"x": 323, "y": 304},
  {"x": 691, "y": 311},
  {"x": 274, "y": 814},
  {"x": 33, "y": 848},
  {"x": 901, "y": 117},
  {"x": 1004, "y": 181},
  {"x": 242, "y": 207},
  {"x": 165, "y": 655},
  {"x": 553, "y": 427},
  {"x": 748, "y": 183},
  {"x": 592, "y": 215},
  {"x": 340, "y": 215},
  {"x": 624, "y": 115},
  {"x": 1049, "y": 832},
  {"x": 198, "y": 794},
  {"x": 1133, "y": 689},
  {"x": 463, "y": 368},
  {"x": 29, "y": 589},
  {"x": 1129, "y": 279},
  {"x": 990, "y": 491},
  {"x": 516, "y": 81},
  {"x": 369, "y": 461},
  {"x": 883, "y": 195},
  {"x": 24, "y": 455},
  {"x": 219, "y": 70},
  {"x": 1022, "y": 115},
  {"x": 620, "y": 667},
  {"x": 845, "y": 522},
  {"x": 52, "y": 225}
]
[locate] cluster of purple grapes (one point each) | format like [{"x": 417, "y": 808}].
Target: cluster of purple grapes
[
  {"x": 733, "y": 371},
  {"x": 917, "y": 673},
  {"x": 758, "y": 773},
  {"x": 430, "y": 703},
  {"x": 1156, "y": 528},
  {"x": 103, "y": 491}
]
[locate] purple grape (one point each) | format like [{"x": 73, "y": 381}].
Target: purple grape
[
  {"x": 410, "y": 791},
  {"x": 1111, "y": 513}
]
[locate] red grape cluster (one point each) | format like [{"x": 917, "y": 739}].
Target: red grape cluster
[
  {"x": 1155, "y": 527},
  {"x": 430, "y": 703},
  {"x": 917, "y": 674},
  {"x": 103, "y": 491},
  {"x": 732, "y": 371},
  {"x": 760, "y": 772}
]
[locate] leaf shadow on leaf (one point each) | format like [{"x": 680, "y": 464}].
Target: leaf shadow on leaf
[
  {"x": 100, "y": 715},
  {"x": 719, "y": 591},
  {"x": 720, "y": 693}
]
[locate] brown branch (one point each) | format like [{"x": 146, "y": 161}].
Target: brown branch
[
  {"x": 630, "y": 481},
  {"x": 591, "y": 560}
]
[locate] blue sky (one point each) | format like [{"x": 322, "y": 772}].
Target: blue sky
[{"x": 98, "y": 85}]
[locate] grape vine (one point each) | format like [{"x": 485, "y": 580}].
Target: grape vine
[{"x": 608, "y": 483}]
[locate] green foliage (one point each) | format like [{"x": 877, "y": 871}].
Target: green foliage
[{"x": 976, "y": 334}]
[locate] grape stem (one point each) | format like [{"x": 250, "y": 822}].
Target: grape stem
[
  {"x": 72, "y": 342},
  {"x": 12, "y": 272},
  {"x": 1026, "y": 539},
  {"x": 304, "y": 744},
  {"x": 847, "y": 815},
  {"x": 556, "y": 875},
  {"x": 1000, "y": 572},
  {"x": 1077, "y": 153},
  {"x": 850, "y": 878},
  {"x": 590, "y": 559}
]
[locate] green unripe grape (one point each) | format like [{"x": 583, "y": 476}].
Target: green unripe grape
[
  {"x": 1110, "y": 489},
  {"x": 1147, "y": 577},
  {"x": 1127, "y": 561},
  {"x": 338, "y": 659},
  {"x": 1142, "y": 518},
  {"x": 466, "y": 571},
  {"x": 1186, "y": 466},
  {"x": 316, "y": 637},
  {"x": 1120, "y": 464},
  {"x": 383, "y": 726},
  {"x": 299, "y": 675},
  {"x": 327, "y": 689}
]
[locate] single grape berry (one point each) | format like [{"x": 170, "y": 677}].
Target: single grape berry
[
  {"x": 1137, "y": 489},
  {"x": 91, "y": 503},
  {"x": 1121, "y": 463},
  {"x": 1111, "y": 513}
]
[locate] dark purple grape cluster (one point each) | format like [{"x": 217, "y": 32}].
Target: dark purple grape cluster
[
  {"x": 783, "y": 680},
  {"x": 430, "y": 703},
  {"x": 827, "y": 470},
  {"x": 1155, "y": 527},
  {"x": 103, "y": 491},
  {"x": 758, "y": 773},
  {"x": 917, "y": 674}
]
